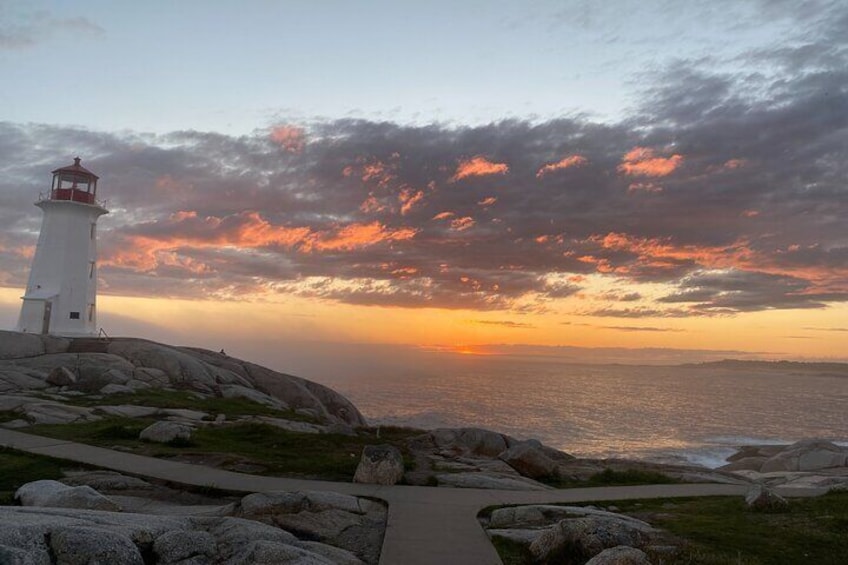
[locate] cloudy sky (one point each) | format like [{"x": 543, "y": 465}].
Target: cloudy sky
[{"x": 443, "y": 174}]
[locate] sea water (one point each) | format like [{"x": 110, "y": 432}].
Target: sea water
[{"x": 674, "y": 414}]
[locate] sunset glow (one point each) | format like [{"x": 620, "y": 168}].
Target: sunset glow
[{"x": 476, "y": 199}]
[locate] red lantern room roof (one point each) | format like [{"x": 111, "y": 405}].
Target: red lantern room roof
[
  {"x": 76, "y": 168},
  {"x": 74, "y": 183}
]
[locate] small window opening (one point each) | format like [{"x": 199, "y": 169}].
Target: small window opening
[
  {"x": 75, "y": 315},
  {"x": 93, "y": 231},
  {"x": 91, "y": 269}
]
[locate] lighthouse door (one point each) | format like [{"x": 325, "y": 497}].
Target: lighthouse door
[{"x": 45, "y": 325}]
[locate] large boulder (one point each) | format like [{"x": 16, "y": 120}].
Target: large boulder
[
  {"x": 536, "y": 515},
  {"x": 380, "y": 464},
  {"x": 620, "y": 555},
  {"x": 586, "y": 537},
  {"x": 471, "y": 441},
  {"x": 807, "y": 455},
  {"x": 351, "y": 523},
  {"x": 529, "y": 459},
  {"x": 58, "y": 495},
  {"x": 174, "y": 547},
  {"x": 46, "y": 412},
  {"x": 165, "y": 432},
  {"x": 82, "y": 546}
]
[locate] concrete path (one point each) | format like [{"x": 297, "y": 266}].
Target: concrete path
[{"x": 426, "y": 525}]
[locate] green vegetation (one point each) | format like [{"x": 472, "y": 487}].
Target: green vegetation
[
  {"x": 609, "y": 478},
  {"x": 512, "y": 552},
  {"x": 268, "y": 449},
  {"x": 721, "y": 530},
  {"x": 18, "y": 467},
  {"x": 161, "y": 398},
  {"x": 9, "y": 415}
]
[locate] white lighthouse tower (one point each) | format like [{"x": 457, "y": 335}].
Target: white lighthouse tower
[{"x": 61, "y": 294}]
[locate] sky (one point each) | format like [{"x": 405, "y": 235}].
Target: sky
[{"x": 292, "y": 179}]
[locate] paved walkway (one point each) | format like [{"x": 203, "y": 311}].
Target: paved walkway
[{"x": 426, "y": 525}]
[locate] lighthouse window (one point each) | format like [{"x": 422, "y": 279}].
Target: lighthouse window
[
  {"x": 75, "y": 316},
  {"x": 91, "y": 269},
  {"x": 93, "y": 230}
]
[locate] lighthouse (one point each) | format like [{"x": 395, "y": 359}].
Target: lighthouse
[{"x": 61, "y": 295}]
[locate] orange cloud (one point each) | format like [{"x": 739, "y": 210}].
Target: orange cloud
[
  {"x": 654, "y": 252},
  {"x": 642, "y": 161},
  {"x": 372, "y": 205},
  {"x": 291, "y": 138},
  {"x": 246, "y": 230},
  {"x": 750, "y": 214},
  {"x": 408, "y": 199},
  {"x": 374, "y": 172},
  {"x": 734, "y": 164},
  {"x": 443, "y": 215},
  {"x": 486, "y": 202},
  {"x": 354, "y": 236},
  {"x": 570, "y": 161},
  {"x": 477, "y": 167},
  {"x": 462, "y": 224}
]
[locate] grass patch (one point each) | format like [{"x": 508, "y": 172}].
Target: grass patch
[
  {"x": 19, "y": 467},
  {"x": 278, "y": 452},
  {"x": 9, "y": 415},
  {"x": 721, "y": 530},
  {"x": 612, "y": 478},
  {"x": 628, "y": 477},
  {"x": 512, "y": 552}
]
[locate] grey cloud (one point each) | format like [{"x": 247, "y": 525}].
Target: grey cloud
[
  {"x": 26, "y": 28},
  {"x": 741, "y": 291},
  {"x": 760, "y": 187}
]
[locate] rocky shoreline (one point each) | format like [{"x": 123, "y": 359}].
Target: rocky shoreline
[{"x": 48, "y": 380}]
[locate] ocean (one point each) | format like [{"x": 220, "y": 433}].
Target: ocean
[{"x": 697, "y": 414}]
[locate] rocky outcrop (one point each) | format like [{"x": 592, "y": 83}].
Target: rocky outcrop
[
  {"x": 53, "y": 535},
  {"x": 807, "y": 455},
  {"x": 811, "y": 463},
  {"x": 587, "y": 537},
  {"x": 33, "y": 362},
  {"x": 165, "y": 432},
  {"x": 353, "y": 524},
  {"x": 471, "y": 441},
  {"x": 620, "y": 555},
  {"x": 380, "y": 465},
  {"x": 534, "y": 460},
  {"x": 55, "y": 494},
  {"x": 803, "y": 456},
  {"x": 309, "y": 527},
  {"x": 572, "y": 534}
]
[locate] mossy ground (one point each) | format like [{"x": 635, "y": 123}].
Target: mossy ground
[
  {"x": 18, "y": 467},
  {"x": 720, "y": 531},
  {"x": 611, "y": 477},
  {"x": 270, "y": 450}
]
